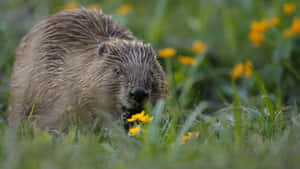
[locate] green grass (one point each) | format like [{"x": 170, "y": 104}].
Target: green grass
[
  {"x": 222, "y": 143},
  {"x": 243, "y": 123}
]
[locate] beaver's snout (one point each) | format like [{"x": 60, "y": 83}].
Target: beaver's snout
[
  {"x": 137, "y": 99},
  {"x": 139, "y": 94}
]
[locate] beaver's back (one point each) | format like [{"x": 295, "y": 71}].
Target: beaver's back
[{"x": 48, "y": 55}]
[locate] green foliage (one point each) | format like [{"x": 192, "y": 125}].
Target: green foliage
[{"x": 245, "y": 122}]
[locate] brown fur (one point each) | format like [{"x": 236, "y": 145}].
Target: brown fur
[{"x": 70, "y": 60}]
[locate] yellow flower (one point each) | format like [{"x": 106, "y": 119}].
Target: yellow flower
[
  {"x": 242, "y": 69},
  {"x": 288, "y": 33},
  {"x": 264, "y": 25},
  {"x": 135, "y": 131},
  {"x": 257, "y": 38},
  {"x": 199, "y": 47},
  {"x": 248, "y": 69},
  {"x": 136, "y": 117},
  {"x": 140, "y": 117},
  {"x": 167, "y": 52},
  {"x": 146, "y": 118},
  {"x": 72, "y": 5},
  {"x": 296, "y": 25},
  {"x": 275, "y": 21},
  {"x": 289, "y": 8},
  {"x": 261, "y": 26},
  {"x": 184, "y": 139},
  {"x": 258, "y": 29},
  {"x": 94, "y": 6},
  {"x": 189, "y": 136},
  {"x": 293, "y": 30},
  {"x": 124, "y": 10},
  {"x": 187, "y": 60},
  {"x": 238, "y": 70}
]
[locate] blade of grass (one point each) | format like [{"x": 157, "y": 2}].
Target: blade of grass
[
  {"x": 237, "y": 113},
  {"x": 267, "y": 101},
  {"x": 191, "y": 73},
  {"x": 154, "y": 129},
  {"x": 32, "y": 109}
]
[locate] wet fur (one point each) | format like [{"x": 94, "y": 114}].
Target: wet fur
[{"x": 69, "y": 60}]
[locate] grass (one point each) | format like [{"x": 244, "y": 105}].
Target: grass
[{"x": 243, "y": 122}]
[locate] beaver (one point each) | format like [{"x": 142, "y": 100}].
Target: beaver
[{"x": 84, "y": 61}]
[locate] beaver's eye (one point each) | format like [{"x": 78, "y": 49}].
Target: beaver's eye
[{"x": 117, "y": 71}]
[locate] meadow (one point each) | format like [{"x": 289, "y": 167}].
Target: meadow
[{"x": 233, "y": 70}]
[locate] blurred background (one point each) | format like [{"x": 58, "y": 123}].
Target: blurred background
[{"x": 202, "y": 44}]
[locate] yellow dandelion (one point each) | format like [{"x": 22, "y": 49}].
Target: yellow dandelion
[
  {"x": 124, "y": 10},
  {"x": 258, "y": 29},
  {"x": 185, "y": 139},
  {"x": 135, "y": 131},
  {"x": 189, "y": 136},
  {"x": 237, "y": 72},
  {"x": 187, "y": 60},
  {"x": 242, "y": 69},
  {"x": 257, "y": 38},
  {"x": 194, "y": 134},
  {"x": 136, "y": 117},
  {"x": 275, "y": 21},
  {"x": 248, "y": 69},
  {"x": 146, "y": 118},
  {"x": 140, "y": 117},
  {"x": 261, "y": 26},
  {"x": 295, "y": 28},
  {"x": 289, "y": 8},
  {"x": 167, "y": 52},
  {"x": 199, "y": 47},
  {"x": 94, "y": 6},
  {"x": 72, "y": 5}
]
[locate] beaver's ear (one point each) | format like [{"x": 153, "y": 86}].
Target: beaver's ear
[{"x": 102, "y": 48}]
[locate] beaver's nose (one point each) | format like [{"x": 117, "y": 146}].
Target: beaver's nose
[{"x": 139, "y": 94}]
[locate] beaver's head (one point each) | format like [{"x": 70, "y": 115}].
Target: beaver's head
[{"x": 132, "y": 73}]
